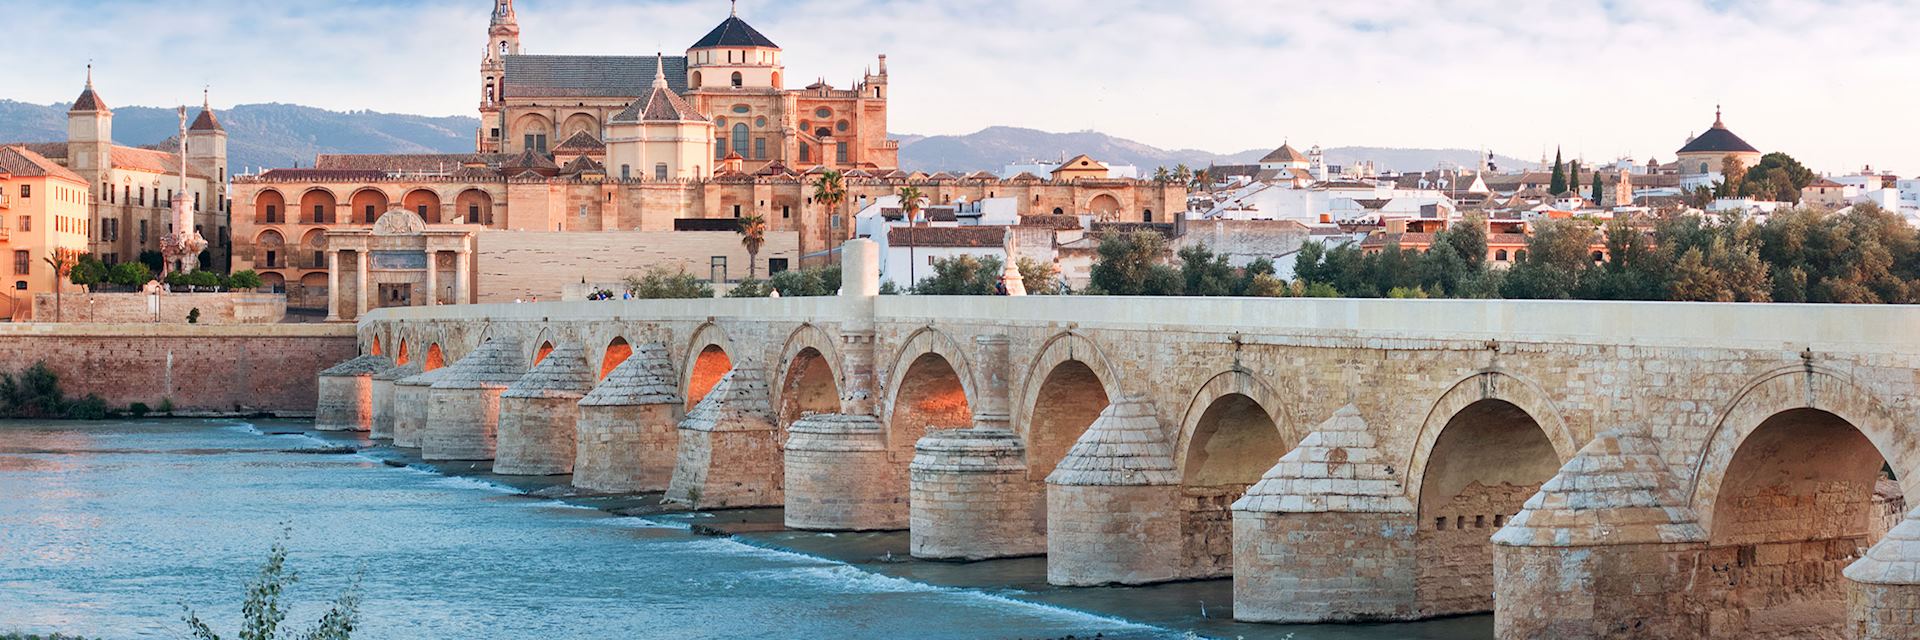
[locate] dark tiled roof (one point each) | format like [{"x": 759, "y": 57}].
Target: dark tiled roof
[
  {"x": 404, "y": 161},
  {"x": 660, "y": 105},
  {"x": 581, "y": 142},
  {"x": 973, "y": 237},
  {"x": 734, "y": 32},
  {"x": 1056, "y": 223},
  {"x": 588, "y": 76},
  {"x": 206, "y": 122},
  {"x": 583, "y": 164},
  {"x": 530, "y": 160},
  {"x": 1718, "y": 140},
  {"x": 775, "y": 168},
  {"x": 1286, "y": 153},
  {"x": 88, "y": 101},
  {"x": 323, "y": 175},
  {"x": 23, "y": 162}
]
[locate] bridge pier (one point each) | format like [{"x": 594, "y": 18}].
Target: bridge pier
[
  {"x": 1113, "y": 504},
  {"x": 1883, "y": 587},
  {"x": 410, "y": 397},
  {"x": 628, "y": 434},
  {"x": 729, "y": 452},
  {"x": 463, "y": 409},
  {"x": 1608, "y": 548},
  {"x": 1327, "y": 535},
  {"x": 384, "y": 411},
  {"x": 537, "y": 415},
  {"x": 970, "y": 498},
  {"x": 346, "y": 394},
  {"x": 839, "y": 476}
]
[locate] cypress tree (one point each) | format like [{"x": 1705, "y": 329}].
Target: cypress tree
[
  {"x": 1559, "y": 184},
  {"x": 1573, "y": 179},
  {"x": 1597, "y": 193}
]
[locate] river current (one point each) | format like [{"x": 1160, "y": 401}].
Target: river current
[{"x": 107, "y": 529}]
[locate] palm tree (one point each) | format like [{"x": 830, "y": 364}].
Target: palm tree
[
  {"x": 1182, "y": 173},
  {"x": 910, "y": 208},
  {"x": 1160, "y": 175},
  {"x": 829, "y": 191},
  {"x": 62, "y": 261},
  {"x": 753, "y": 235}
]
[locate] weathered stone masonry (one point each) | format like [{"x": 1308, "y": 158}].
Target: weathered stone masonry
[{"x": 1411, "y": 430}]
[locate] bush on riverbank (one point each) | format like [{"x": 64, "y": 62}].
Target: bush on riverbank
[
  {"x": 35, "y": 394},
  {"x": 264, "y": 611}
]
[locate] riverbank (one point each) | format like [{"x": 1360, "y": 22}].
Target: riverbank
[{"x": 1202, "y": 607}]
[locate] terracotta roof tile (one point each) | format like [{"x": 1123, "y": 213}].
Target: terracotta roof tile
[
  {"x": 23, "y": 162},
  {"x": 137, "y": 159},
  {"x": 404, "y": 161},
  {"x": 968, "y": 237}
]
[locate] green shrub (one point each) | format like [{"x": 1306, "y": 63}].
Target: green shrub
[
  {"x": 88, "y": 270},
  {"x": 88, "y": 408},
  {"x": 660, "y": 283},
  {"x": 33, "y": 394},
  {"x": 750, "y": 289},
  {"x": 129, "y": 274},
  {"x": 139, "y": 409},
  {"x": 263, "y": 612},
  {"x": 166, "y": 406},
  {"x": 193, "y": 316},
  {"x": 245, "y": 279}
]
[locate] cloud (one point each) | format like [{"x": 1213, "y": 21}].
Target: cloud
[{"x": 1825, "y": 80}]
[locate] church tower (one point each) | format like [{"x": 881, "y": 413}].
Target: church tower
[
  {"x": 90, "y": 134},
  {"x": 503, "y": 39},
  {"x": 733, "y": 57}
]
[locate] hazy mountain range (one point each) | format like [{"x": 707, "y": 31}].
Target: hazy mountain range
[{"x": 284, "y": 135}]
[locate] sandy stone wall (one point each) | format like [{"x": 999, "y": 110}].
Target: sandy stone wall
[
  {"x": 215, "y": 369},
  {"x": 1455, "y": 556},
  {"x": 135, "y": 308},
  {"x": 524, "y": 265}
]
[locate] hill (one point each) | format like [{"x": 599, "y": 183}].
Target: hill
[
  {"x": 261, "y": 135},
  {"x": 994, "y": 147}
]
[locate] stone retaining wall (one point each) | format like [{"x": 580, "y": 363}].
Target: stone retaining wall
[{"x": 200, "y": 368}]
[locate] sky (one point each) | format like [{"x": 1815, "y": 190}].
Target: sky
[{"x": 1830, "y": 81}]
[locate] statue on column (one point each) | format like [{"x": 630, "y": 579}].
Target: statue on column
[
  {"x": 181, "y": 248},
  {"x": 1010, "y": 278}
]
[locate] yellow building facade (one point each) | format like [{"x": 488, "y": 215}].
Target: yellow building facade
[{"x": 44, "y": 210}]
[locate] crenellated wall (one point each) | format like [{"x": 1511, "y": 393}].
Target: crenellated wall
[{"x": 1474, "y": 407}]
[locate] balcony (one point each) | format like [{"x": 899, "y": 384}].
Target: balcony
[{"x": 5, "y": 202}]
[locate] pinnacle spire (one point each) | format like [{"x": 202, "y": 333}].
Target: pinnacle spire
[
  {"x": 1716, "y": 116},
  {"x": 735, "y": 8},
  {"x": 659, "y": 70},
  {"x": 89, "y": 75}
]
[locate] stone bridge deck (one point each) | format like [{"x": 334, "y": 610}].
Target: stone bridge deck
[{"x": 1651, "y": 469}]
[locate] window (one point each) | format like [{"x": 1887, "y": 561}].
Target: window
[
  {"x": 626, "y": 172},
  {"x": 738, "y": 81},
  {"x": 740, "y": 137},
  {"x": 806, "y": 153},
  {"x": 719, "y": 147},
  {"x": 22, "y": 263},
  {"x": 422, "y": 210},
  {"x": 273, "y": 259},
  {"x": 717, "y": 269},
  {"x": 776, "y": 265},
  {"x": 320, "y": 214},
  {"x": 840, "y": 152},
  {"x": 273, "y": 213},
  {"x": 143, "y": 197},
  {"x": 786, "y": 211},
  {"x": 736, "y": 211},
  {"x": 835, "y": 221},
  {"x": 143, "y": 232},
  {"x": 760, "y": 122},
  {"x": 26, "y": 191},
  {"x": 369, "y": 213},
  {"x": 319, "y": 260},
  {"x": 840, "y": 126},
  {"x": 26, "y": 223},
  {"x": 660, "y": 171},
  {"x": 473, "y": 214},
  {"x": 1146, "y": 216},
  {"x": 823, "y": 112},
  {"x": 741, "y": 108},
  {"x": 759, "y": 148},
  {"x": 536, "y": 142}
]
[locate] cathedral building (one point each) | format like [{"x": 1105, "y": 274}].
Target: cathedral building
[
  {"x": 589, "y": 168},
  {"x": 733, "y": 79}
]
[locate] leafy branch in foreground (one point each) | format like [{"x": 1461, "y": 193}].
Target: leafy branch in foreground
[{"x": 264, "y": 610}]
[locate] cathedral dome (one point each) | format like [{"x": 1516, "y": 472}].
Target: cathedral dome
[
  {"x": 734, "y": 32},
  {"x": 1718, "y": 139}
]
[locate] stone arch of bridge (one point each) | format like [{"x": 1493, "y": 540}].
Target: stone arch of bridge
[
  {"x": 615, "y": 353},
  {"x": 1784, "y": 392},
  {"x": 930, "y": 382},
  {"x": 710, "y": 355},
  {"x": 1790, "y": 487},
  {"x": 1486, "y": 385},
  {"x": 544, "y": 342},
  {"x": 436, "y": 358},
  {"x": 400, "y": 355},
  {"x": 1233, "y": 431},
  {"x": 1066, "y": 387},
  {"x": 373, "y": 348},
  {"x": 810, "y": 375},
  {"x": 1488, "y": 444}
]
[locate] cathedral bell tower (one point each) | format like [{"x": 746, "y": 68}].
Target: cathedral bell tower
[{"x": 503, "y": 39}]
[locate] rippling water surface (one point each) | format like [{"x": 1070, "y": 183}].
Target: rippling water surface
[{"x": 106, "y": 529}]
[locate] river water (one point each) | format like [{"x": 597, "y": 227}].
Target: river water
[{"x": 107, "y": 529}]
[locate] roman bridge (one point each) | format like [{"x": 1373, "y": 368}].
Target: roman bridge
[{"x": 1581, "y": 469}]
